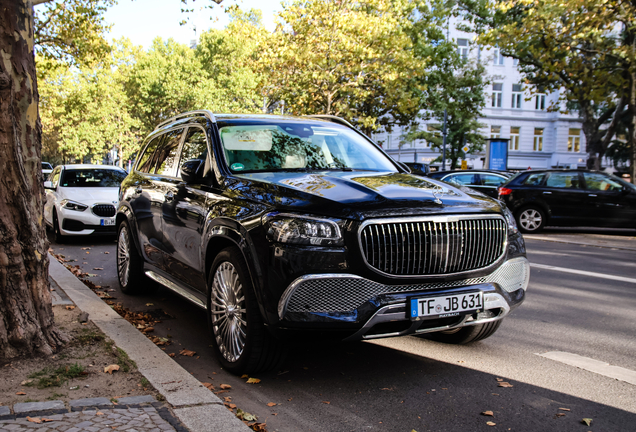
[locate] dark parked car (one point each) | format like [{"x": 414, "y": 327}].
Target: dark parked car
[
  {"x": 282, "y": 226},
  {"x": 484, "y": 181},
  {"x": 569, "y": 198}
]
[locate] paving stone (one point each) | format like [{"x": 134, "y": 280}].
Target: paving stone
[
  {"x": 92, "y": 429},
  {"x": 84, "y": 424},
  {"x": 4, "y": 410},
  {"x": 11, "y": 427},
  {"x": 136, "y": 400},
  {"x": 25, "y": 407}
]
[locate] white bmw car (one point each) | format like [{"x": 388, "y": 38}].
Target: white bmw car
[{"x": 82, "y": 199}]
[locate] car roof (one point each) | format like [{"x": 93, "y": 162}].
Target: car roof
[
  {"x": 503, "y": 173},
  {"x": 91, "y": 166}
]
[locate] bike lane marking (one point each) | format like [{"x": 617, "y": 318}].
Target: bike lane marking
[{"x": 591, "y": 365}]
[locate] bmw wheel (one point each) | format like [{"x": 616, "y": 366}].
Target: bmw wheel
[{"x": 57, "y": 233}]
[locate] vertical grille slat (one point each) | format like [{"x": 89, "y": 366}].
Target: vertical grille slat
[{"x": 428, "y": 247}]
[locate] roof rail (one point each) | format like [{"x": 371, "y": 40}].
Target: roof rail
[
  {"x": 206, "y": 113},
  {"x": 331, "y": 118}
]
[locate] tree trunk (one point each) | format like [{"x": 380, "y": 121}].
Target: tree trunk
[{"x": 26, "y": 316}]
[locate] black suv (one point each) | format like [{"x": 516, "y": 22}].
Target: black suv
[
  {"x": 569, "y": 198},
  {"x": 282, "y": 225}
]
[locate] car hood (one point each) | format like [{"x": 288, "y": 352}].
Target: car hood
[
  {"x": 90, "y": 195},
  {"x": 359, "y": 194}
]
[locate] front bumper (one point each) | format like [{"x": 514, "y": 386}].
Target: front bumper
[
  {"x": 365, "y": 309},
  {"x": 74, "y": 223}
]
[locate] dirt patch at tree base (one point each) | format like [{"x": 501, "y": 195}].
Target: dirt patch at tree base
[{"x": 76, "y": 371}]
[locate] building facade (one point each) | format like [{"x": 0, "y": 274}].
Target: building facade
[{"x": 538, "y": 138}]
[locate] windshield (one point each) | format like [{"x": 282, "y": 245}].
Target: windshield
[
  {"x": 293, "y": 146},
  {"x": 92, "y": 178}
]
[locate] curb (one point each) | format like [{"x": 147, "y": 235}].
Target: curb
[{"x": 193, "y": 404}]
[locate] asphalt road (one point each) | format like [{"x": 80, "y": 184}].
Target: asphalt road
[{"x": 581, "y": 301}]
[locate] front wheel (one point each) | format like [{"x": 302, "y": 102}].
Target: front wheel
[
  {"x": 531, "y": 220},
  {"x": 240, "y": 340},
  {"x": 465, "y": 335},
  {"x": 57, "y": 233}
]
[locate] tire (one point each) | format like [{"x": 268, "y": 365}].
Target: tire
[
  {"x": 465, "y": 335},
  {"x": 57, "y": 233},
  {"x": 129, "y": 264},
  {"x": 531, "y": 220},
  {"x": 240, "y": 340}
]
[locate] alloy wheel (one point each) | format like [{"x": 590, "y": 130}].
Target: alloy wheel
[
  {"x": 530, "y": 219},
  {"x": 228, "y": 312},
  {"x": 123, "y": 256}
]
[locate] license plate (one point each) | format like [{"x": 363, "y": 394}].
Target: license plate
[
  {"x": 107, "y": 222},
  {"x": 446, "y": 306}
]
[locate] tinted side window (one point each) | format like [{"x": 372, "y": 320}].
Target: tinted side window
[
  {"x": 195, "y": 146},
  {"x": 146, "y": 162},
  {"x": 166, "y": 154},
  {"x": 491, "y": 180},
  {"x": 534, "y": 179},
  {"x": 461, "y": 179},
  {"x": 563, "y": 180}
]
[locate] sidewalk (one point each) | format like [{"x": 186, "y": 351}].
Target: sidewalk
[{"x": 188, "y": 406}]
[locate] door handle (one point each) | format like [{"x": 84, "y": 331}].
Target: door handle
[
  {"x": 138, "y": 190},
  {"x": 593, "y": 195},
  {"x": 547, "y": 193},
  {"x": 169, "y": 196}
]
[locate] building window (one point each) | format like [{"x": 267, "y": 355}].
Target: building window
[
  {"x": 515, "y": 131},
  {"x": 462, "y": 48},
  {"x": 574, "y": 140},
  {"x": 495, "y": 131},
  {"x": 517, "y": 96},
  {"x": 540, "y": 102},
  {"x": 498, "y": 57},
  {"x": 538, "y": 139},
  {"x": 497, "y": 95},
  {"x": 515, "y": 62}
]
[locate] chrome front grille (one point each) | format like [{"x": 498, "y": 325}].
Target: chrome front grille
[
  {"x": 433, "y": 246},
  {"x": 104, "y": 210}
]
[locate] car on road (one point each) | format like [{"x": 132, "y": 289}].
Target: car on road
[
  {"x": 540, "y": 198},
  {"x": 484, "y": 181},
  {"x": 281, "y": 227},
  {"x": 81, "y": 200},
  {"x": 47, "y": 168}
]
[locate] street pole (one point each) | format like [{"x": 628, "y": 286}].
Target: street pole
[{"x": 444, "y": 133}]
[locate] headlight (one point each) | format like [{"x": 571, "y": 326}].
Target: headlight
[
  {"x": 72, "y": 205},
  {"x": 303, "y": 230},
  {"x": 512, "y": 223}
]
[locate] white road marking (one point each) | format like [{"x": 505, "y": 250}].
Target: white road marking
[
  {"x": 591, "y": 365},
  {"x": 583, "y": 273}
]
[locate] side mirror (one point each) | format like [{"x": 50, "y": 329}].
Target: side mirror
[
  {"x": 48, "y": 185},
  {"x": 190, "y": 170}
]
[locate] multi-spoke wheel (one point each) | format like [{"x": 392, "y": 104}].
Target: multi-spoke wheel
[
  {"x": 129, "y": 263},
  {"x": 530, "y": 220},
  {"x": 240, "y": 339},
  {"x": 57, "y": 233}
]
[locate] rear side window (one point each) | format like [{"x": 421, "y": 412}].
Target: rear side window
[
  {"x": 147, "y": 161},
  {"x": 564, "y": 181},
  {"x": 491, "y": 180},
  {"x": 461, "y": 179},
  {"x": 534, "y": 179},
  {"x": 599, "y": 182}
]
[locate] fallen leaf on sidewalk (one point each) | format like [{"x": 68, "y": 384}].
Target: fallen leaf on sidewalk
[
  {"x": 587, "y": 421},
  {"x": 271, "y": 404},
  {"x": 149, "y": 304},
  {"x": 488, "y": 413},
  {"x": 111, "y": 368},
  {"x": 565, "y": 409},
  {"x": 491, "y": 423},
  {"x": 98, "y": 268},
  {"x": 186, "y": 352},
  {"x": 86, "y": 248},
  {"x": 99, "y": 413},
  {"x": 225, "y": 387},
  {"x": 253, "y": 381},
  {"x": 171, "y": 355},
  {"x": 560, "y": 415},
  {"x": 326, "y": 402},
  {"x": 106, "y": 253},
  {"x": 21, "y": 393},
  {"x": 243, "y": 415},
  {"x": 34, "y": 419},
  {"x": 244, "y": 376},
  {"x": 148, "y": 330},
  {"x": 505, "y": 384},
  {"x": 70, "y": 307},
  {"x": 208, "y": 385},
  {"x": 230, "y": 405},
  {"x": 499, "y": 379}
]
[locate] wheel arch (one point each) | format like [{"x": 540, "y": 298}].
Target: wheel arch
[{"x": 124, "y": 213}]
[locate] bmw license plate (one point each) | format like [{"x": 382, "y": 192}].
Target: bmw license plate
[
  {"x": 446, "y": 306},
  {"x": 107, "y": 222}
]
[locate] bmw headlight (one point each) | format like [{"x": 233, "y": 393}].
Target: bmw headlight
[
  {"x": 512, "y": 223},
  {"x": 303, "y": 230},
  {"x": 72, "y": 205}
]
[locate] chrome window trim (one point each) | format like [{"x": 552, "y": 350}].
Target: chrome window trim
[
  {"x": 434, "y": 219},
  {"x": 207, "y": 113}
]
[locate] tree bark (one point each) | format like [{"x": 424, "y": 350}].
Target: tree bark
[{"x": 26, "y": 315}]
